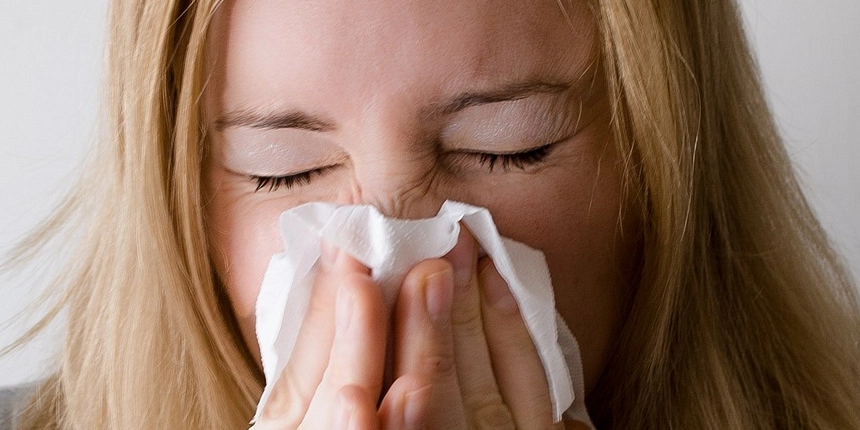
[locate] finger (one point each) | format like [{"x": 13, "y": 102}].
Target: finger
[
  {"x": 480, "y": 392},
  {"x": 407, "y": 403},
  {"x": 292, "y": 394},
  {"x": 355, "y": 410},
  {"x": 423, "y": 312},
  {"x": 518, "y": 369},
  {"x": 423, "y": 343},
  {"x": 357, "y": 355}
]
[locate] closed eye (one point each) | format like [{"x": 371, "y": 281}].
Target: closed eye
[
  {"x": 273, "y": 183},
  {"x": 508, "y": 161},
  {"x": 488, "y": 160}
]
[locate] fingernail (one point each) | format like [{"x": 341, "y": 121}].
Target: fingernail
[
  {"x": 343, "y": 310},
  {"x": 462, "y": 258},
  {"x": 328, "y": 255},
  {"x": 496, "y": 291},
  {"x": 439, "y": 294}
]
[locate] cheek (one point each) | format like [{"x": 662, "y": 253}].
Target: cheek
[
  {"x": 573, "y": 217},
  {"x": 244, "y": 235},
  {"x": 590, "y": 258}
]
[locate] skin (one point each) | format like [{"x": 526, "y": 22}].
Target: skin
[{"x": 397, "y": 102}]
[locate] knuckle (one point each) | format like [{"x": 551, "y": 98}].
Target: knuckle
[
  {"x": 321, "y": 304},
  {"x": 518, "y": 342},
  {"x": 350, "y": 396},
  {"x": 491, "y": 413},
  {"x": 318, "y": 310},
  {"x": 439, "y": 365},
  {"x": 468, "y": 321}
]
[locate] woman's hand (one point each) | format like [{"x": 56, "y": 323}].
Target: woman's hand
[
  {"x": 462, "y": 356},
  {"x": 334, "y": 375}
]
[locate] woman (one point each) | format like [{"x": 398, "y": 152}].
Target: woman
[{"x": 703, "y": 292}]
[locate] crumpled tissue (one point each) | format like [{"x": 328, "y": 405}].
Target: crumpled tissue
[{"x": 390, "y": 247}]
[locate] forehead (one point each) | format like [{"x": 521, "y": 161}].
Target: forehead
[{"x": 311, "y": 52}]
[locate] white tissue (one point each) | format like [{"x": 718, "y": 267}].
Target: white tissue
[{"x": 390, "y": 247}]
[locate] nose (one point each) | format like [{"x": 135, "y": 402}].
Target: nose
[
  {"x": 397, "y": 199},
  {"x": 399, "y": 185}
]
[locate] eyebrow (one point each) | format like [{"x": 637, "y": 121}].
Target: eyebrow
[
  {"x": 273, "y": 121},
  {"x": 510, "y": 92},
  {"x": 305, "y": 121}
]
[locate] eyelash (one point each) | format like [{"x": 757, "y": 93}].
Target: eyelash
[
  {"x": 491, "y": 161},
  {"x": 288, "y": 182},
  {"x": 516, "y": 160}
]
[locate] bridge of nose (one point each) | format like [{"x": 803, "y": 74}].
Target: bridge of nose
[
  {"x": 405, "y": 192},
  {"x": 396, "y": 163}
]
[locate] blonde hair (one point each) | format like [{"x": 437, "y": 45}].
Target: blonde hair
[
  {"x": 743, "y": 318},
  {"x": 151, "y": 341}
]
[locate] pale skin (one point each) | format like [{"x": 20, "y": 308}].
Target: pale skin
[{"x": 403, "y": 105}]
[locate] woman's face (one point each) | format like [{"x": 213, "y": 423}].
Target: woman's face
[{"x": 402, "y": 105}]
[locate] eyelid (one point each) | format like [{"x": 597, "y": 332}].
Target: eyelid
[
  {"x": 288, "y": 181},
  {"x": 518, "y": 160},
  {"x": 507, "y": 161},
  {"x": 275, "y": 152},
  {"x": 537, "y": 119}
]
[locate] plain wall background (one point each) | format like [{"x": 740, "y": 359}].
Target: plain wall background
[{"x": 50, "y": 69}]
